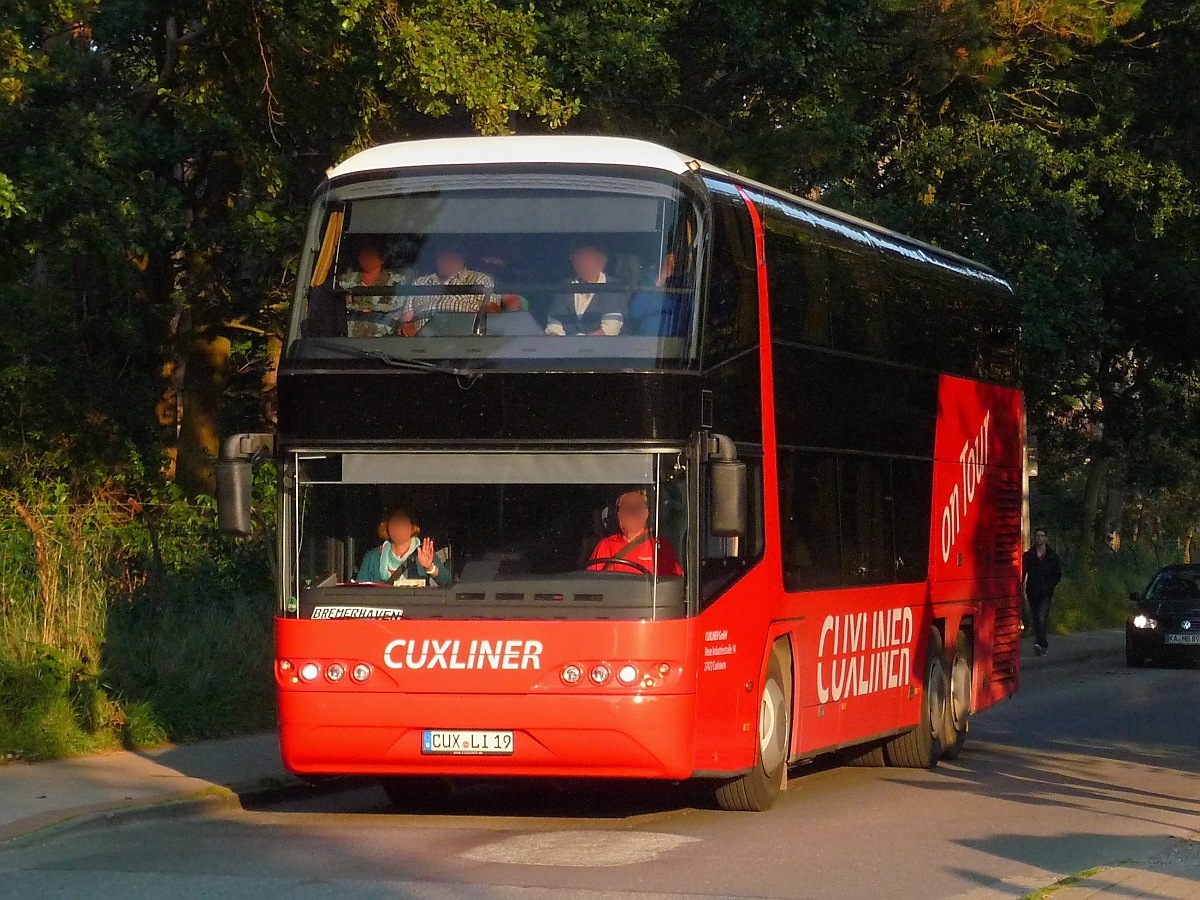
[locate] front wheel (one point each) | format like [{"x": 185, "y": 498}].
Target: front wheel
[
  {"x": 921, "y": 748},
  {"x": 759, "y": 788}
]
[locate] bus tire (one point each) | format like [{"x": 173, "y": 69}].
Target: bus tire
[
  {"x": 958, "y": 700},
  {"x": 871, "y": 759},
  {"x": 416, "y": 793},
  {"x": 759, "y": 788},
  {"x": 922, "y": 747}
]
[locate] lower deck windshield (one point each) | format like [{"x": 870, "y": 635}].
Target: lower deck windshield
[{"x": 505, "y": 535}]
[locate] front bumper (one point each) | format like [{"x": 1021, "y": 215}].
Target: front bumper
[{"x": 348, "y": 732}]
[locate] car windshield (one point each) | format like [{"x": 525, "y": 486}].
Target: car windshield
[
  {"x": 1177, "y": 585},
  {"x": 568, "y": 535},
  {"x": 502, "y": 270}
]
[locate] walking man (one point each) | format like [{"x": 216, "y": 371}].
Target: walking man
[{"x": 1041, "y": 572}]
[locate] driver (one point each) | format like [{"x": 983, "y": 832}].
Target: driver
[{"x": 633, "y": 542}]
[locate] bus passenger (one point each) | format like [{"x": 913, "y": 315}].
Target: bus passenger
[
  {"x": 371, "y": 316},
  {"x": 402, "y": 554},
  {"x": 634, "y": 542},
  {"x": 596, "y": 313},
  {"x": 450, "y": 271},
  {"x": 664, "y": 309}
]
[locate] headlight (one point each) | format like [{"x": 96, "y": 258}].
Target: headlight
[
  {"x": 627, "y": 674},
  {"x": 1141, "y": 621}
]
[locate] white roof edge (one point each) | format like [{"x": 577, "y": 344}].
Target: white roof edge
[
  {"x": 563, "y": 149},
  {"x": 593, "y": 150}
]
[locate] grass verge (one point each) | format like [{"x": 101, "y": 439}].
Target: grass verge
[
  {"x": 1071, "y": 880},
  {"x": 122, "y": 628}
]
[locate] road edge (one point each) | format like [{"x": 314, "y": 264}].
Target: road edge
[{"x": 205, "y": 801}]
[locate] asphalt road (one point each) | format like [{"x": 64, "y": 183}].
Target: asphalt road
[{"x": 1091, "y": 764}]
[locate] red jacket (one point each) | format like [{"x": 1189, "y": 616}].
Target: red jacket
[{"x": 644, "y": 554}]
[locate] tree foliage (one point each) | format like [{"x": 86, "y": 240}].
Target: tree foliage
[{"x": 156, "y": 157}]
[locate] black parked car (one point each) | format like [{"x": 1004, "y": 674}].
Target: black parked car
[{"x": 1167, "y": 619}]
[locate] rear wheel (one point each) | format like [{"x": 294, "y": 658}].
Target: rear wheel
[
  {"x": 416, "y": 793},
  {"x": 958, "y": 703},
  {"x": 922, "y": 747},
  {"x": 759, "y": 788}
]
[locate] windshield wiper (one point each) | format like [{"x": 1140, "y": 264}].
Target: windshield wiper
[{"x": 396, "y": 362}]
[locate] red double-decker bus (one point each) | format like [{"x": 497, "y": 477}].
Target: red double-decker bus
[{"x": 709, "y": 479}]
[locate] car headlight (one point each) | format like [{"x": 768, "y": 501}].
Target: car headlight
[{"x": 1141, "y": 621}]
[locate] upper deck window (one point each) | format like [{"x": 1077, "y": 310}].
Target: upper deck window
[{"x": 499, "y": 269}]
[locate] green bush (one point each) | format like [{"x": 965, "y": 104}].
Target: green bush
[
  {"x": 129, "y": 622},
  {"x": 1099, "y": 597}
]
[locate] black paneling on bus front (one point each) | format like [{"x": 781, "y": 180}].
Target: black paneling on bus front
[{"x": 383, "y": 407}]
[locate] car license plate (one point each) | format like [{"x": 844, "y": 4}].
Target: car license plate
[
  {"x": 1181, "y": 639},
  {"x": 467, "y": 743}
]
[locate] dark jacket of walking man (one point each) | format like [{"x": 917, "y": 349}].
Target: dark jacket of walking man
[{"x": 1041, "y": 572}]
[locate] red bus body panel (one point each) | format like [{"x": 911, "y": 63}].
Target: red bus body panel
[{"x": 425, "y": 676}]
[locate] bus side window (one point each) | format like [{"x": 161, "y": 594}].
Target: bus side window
[
  {"x": 865, "y": 505},
  {"x": 856, "y": 302},
  {"x": 796, "y": 284},
  {"x": 910, "y": 303},
  {"x": 731, "y": 324},
  {"x": 848, "y": 520},
  {"x": 912, "y": 500},
  {"x": 808, "y": 511}
]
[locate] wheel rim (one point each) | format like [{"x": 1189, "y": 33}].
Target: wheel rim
[
  {"x": 935, "y": 692},
  {"x": 772, "y": 726},
  {"x": 960, "y": 691}
]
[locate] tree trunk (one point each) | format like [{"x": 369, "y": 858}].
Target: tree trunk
[
  {"x": 1097, "y": 473},
  {"x": 199, "y": 429},
  {"x": 269, "y": 406}
]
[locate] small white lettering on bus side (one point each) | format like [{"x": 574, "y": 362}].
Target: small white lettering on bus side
[
  {"x": 973, "y": 460},
  {"x": 860, "y": 653},
  {"x": 434, "y": 654}
]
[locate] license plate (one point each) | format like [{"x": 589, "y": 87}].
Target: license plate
[
  {"x": 1181, "y": 638},
  {"x": 467, "y": 743}
]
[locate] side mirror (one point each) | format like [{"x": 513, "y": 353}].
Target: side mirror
[
  {"x": 727, "y": 494},
  {"x": 235, "y": 480}
]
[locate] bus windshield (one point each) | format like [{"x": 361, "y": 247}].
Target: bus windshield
[
  {"x": 502, "y": 269},
  {"x": 510, "y": 535}
]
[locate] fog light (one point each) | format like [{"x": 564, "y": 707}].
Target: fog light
[
  {"x": 361, "y": 672},
  {"x": 571, "y": 674},
  {"x": 663, "y": 670},
  {"x": 309, "y": 671},
  {"x": 335, "y": 672},
  {"x": 600, "y": 674},
  {"x": 648, "y": 682},
  {"x": 285, "y": 665},
  {"x": 627, "y": 674}
]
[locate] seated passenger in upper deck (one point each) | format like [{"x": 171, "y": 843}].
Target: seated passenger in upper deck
[
  {"x": 663, "y": 309},
  {"x": 402, "y": 554},
  {"x": 590, "y": 313},
  {"x": 450, "y": 271},
  {"x": 372, "y": 315}
]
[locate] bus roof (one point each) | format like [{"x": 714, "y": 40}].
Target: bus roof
[
  {"x": 567, "y": 149},
  {"x": 617, "y": 151}
]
